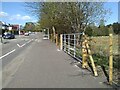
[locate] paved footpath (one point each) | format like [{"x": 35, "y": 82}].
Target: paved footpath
[{"x": 46, "y": 67}]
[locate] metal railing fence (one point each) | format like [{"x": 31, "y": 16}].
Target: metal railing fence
[{"x": 72, "y": 45}]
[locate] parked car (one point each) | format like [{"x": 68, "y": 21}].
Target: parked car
[
  {"x": 8, "y": 36},
  {"x": 21, "y": 33},
  {"x": 26, "y": 34}
]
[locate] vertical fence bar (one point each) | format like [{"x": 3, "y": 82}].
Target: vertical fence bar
[
  {"x": 74, "y": 45},
  {"x": 110, "y": 59},
  {"x": 68, "y": 44},
  {"x": 64, "y": 42},
  {"x": 48, "y": 33},
  {"x": 61, "y": 41}
]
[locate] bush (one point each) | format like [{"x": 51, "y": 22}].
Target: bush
[{"x": 89, "y": 31}]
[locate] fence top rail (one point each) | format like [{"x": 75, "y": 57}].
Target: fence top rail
[{"x": 73, "y": 34}]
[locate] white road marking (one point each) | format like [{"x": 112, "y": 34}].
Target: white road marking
[
  {"x": 24, "y": 44},
  {"x": 38, "y": 40},
  {"x": 18, "y": 45},
  {"x": 29, "y": 41},
  {"x": 8, "y": 53}
]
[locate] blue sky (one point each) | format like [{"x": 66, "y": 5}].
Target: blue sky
[
  {"x": 15, "y": 13},
  {"x": 113, "y": 17}
]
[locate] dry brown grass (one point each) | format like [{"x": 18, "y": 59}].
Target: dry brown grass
[{"x": 101, "y": 45}]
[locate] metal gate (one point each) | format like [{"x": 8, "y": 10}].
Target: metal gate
[{"x": 72, "y": 45}]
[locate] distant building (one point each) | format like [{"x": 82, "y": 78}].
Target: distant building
[
  {"x": 15, "y": 27},
  {"x": 3, "y": 27}
]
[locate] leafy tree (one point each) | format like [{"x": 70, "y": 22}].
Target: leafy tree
[
  {"x": 116, "y": 28},
  {"x": 102, "y": 23},
  {"x": 29, "y": 26},
  {"x": 68, "y": 17},
  {"x": 89, "y": 31}
]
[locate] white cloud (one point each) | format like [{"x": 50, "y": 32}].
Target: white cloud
[
  {"x": 26, "y": 18},
  {"x": 3, "y": 14},
  {"x": 19, "y": 17},
  {"x": 15, "y": 17}
]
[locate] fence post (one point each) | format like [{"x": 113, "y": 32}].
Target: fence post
[
  {"x": 110, "y": 58},
  {"x": 56, "y": 37},
  {"x": 92, "y": 61},
  {"x": 61, "y": 41},
  {"x": 74, "y": 44},
  {"x": 84, "y": 55}
]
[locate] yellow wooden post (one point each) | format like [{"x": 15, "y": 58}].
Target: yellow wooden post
[
  {"x": 110, "y": 59},
  {"x": 56, "y": 37},
  {"x": 61, "y": 41},
  {"x": 92, "y": 61},
  {"x": 84, "y": 55}
]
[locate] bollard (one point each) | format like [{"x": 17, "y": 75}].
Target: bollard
[{"x": 110, "y": 59}]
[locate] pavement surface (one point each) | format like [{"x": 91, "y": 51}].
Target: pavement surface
[{"x": 42, "y": 65}]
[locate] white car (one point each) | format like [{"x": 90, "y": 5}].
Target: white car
[{"x": 26, "y": 34}]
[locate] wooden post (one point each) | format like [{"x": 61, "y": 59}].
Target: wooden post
[
  {"x": 61, "y": 41},
  {"x": 110, "y": 59},
  {"x": 54, "y": 33},
  {"x": 56, "y": 37},
  {"x": 92, "y": 61},
  {"x": 84, "y": 55}
]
